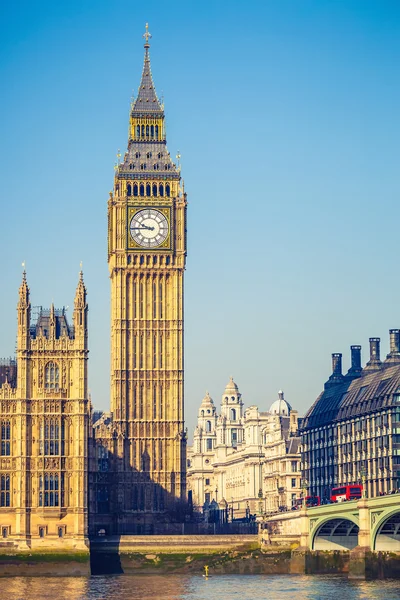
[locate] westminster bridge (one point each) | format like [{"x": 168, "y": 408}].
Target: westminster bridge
[
  {"x": 359, "y": 537},
  {"x": 369, "y": 523}
]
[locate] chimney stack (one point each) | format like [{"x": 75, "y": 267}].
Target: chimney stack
[
  {"x": 374, "y": 362},
  {"x": 355, "y": 369},
  {"x": 394, "y": 355},
  {"x": 336, "y": 376},
  {"x": 336, "y": 364}
]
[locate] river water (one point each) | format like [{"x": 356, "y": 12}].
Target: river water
[{"x": 196, "y": 587}]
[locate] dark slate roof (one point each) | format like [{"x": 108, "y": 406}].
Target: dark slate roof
[
  {"x": 292, "y": 445},
  {"x": 371, "y": 392},
  {"x": 8, "y": 371},
  {"x": 147, "y": 101},
  {"x": 43, "y": 324},
  {"x": 152, "y": 154}
]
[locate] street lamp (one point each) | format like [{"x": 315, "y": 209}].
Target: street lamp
[
  {"x": 216, "y": 494},
  {"x": 304, "y": 486},
  {"x": 363, "y": 477}
]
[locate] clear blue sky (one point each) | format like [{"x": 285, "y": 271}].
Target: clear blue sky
[{"x": 286, "y": 114}]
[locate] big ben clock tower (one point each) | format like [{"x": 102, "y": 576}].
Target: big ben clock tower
[{"x": 146, "y": 258}]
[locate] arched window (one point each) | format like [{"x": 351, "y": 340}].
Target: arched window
[
  {"x": 138, "y": 131},
  {"x": 148, "y": 190},
  {"x": 156, "y": 132},
  {"x": 52, "y": 376},
  {"x": 154, "y": 189},
  {"x": 141, "y": 189},
  {"x": 142, "y": 130},
  {"x": 208, "y": 426},
  {"x": 129, "y": 189},
  {"x": 5, "y": 490},
  {"x": 152, "y": 131},
  {"x": 202, "y": 413},
  {"x": 161, "y": 190},
  {"x": 233, "y": 414},
  {"x": 5, "y": 433},
  {"x": 147, "y": 131},
  {"x": 167, "y": 190},
  {"x": 135, "y": 189}
]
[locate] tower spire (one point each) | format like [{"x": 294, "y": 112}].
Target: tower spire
[
  {"x": 146, "y": 100},
  {"x": 24, "y": 290}
]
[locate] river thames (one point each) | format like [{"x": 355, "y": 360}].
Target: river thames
[{"x": 195, "y": 587}]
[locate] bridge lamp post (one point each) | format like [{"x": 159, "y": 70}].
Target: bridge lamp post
[
  {"x": 363, "y": 478},
  {"x": 304, "y": 486}
]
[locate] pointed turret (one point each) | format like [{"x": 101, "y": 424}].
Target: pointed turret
[
  {"x": 23, "y": 336},
  {"x": 23, "y": 293},
  {"x": 24, "y": 314},
  {"x": 80, "y": 311},
  {"x": 80, "y": 294}
]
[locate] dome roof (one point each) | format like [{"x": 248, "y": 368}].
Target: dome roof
[
  {"x": 231, "y": 386},
  {"x": 280, "y": 407},
  {"x": 207, "y": 400}
]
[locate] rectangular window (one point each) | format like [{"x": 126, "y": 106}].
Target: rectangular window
[
  {"x": 141, "y": 401},
  {"x": 160, "y": 300},
  {"x": 5, "y": 433},
  {"x": 102, "y": 499},
  {"x": 293, "y": 482},
  {"x": 161, "y": 401},
  {"x": 154, "y": 300},
  {"x": 207, "y": 482},
  {"x": 154, "y": 402},
  {"x": 50, "y": 440},
  {"x": 161, "y": 351},
  {"x": 5, "y": 490},
  {"x": 141, "y": 300},
  {"x": 209, "y": 444},
  {"x": 154, "y": 351},
  {"x": 207, "y": 497},
  {"x": 50, "y": 488},
  {"x": 141, "y": 352},
  {"x": 234, "y": 437},
  {"x": 294, "y": 466}
]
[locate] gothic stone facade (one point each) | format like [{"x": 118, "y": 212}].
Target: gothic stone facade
[{"x": 44, "y": 422}]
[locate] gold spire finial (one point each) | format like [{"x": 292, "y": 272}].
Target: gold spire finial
[{"x": 147, "y": 35}]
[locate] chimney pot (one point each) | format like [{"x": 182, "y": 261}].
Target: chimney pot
[
  {"x": 336, "y": 363},
  {"x": 374, "y": 349},
  {"x": 355, "y": 358},
  {"x": 394, "y": 341}
]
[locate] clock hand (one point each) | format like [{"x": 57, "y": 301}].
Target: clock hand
[{"x": 144, "y": 227}]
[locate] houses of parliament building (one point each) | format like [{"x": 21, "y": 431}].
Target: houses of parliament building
[{"x": 67, "y": 471}]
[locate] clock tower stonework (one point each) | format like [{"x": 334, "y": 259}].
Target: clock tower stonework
[{"x": 146, "y": 258}]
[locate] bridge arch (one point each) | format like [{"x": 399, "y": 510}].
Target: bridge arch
[
  {"x": 335, "y": 533},
  {"x": 386, "y": 532}
]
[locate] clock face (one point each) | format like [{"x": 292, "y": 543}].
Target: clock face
[{"x": 149, "y": 228}]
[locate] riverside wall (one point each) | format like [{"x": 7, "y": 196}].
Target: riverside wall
[{"x": 222, "y": 554}]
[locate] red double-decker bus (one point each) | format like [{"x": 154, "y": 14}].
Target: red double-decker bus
[
  {"x": 346, "y": 492},
  {"x": 310, "y": 501}
]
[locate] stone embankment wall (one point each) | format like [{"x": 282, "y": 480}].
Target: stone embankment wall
[{"x": 44, "y": 564}]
